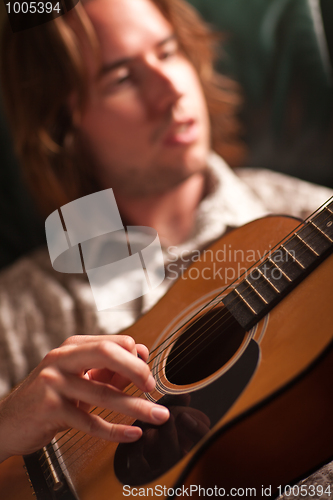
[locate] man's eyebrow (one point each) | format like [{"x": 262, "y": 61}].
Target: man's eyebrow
[
  {"x": 168, "y": 39},
  {"x": 126, "y": 60}
]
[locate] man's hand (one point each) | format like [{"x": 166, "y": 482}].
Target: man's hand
[{"x": 83, "y": 372}]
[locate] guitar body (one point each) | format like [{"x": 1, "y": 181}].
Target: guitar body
[{"x": 267, "y": 392}]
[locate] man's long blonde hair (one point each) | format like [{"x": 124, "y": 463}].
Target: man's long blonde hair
[{"x": 43, "y": 66}]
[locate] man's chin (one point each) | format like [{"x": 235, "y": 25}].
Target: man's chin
[
  {"x": 194, "y": 161},
  {"x": 159, "y": 185},
  {"x": 174, "y": 178},
  {"x": 177, "y": 171},
  {"x": 160, "y": 177}
]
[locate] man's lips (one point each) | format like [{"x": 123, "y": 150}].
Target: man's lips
[{"x": 182, "y": 133}]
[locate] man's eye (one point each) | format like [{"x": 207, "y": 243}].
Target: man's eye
[
  {"x": 121, "y": 76},
  {"x": 122, "y": 79},
  {"x": 117, "y": 80},
  {"x": 169, "y": 50},
  {"x": 166, "y": 55}
]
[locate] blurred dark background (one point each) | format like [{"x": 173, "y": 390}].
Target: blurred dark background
[{"x": 280, "y": 51}]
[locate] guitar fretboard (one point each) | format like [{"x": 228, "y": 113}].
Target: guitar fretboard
[{"x": 282, "y": 270}]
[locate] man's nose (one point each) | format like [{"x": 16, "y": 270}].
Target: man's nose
[{"x": 162, "y": 90}]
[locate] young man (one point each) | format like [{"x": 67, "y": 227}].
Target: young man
[{"x": 121, "y": 94}]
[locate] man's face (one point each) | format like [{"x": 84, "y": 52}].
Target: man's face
[{"x": 146, "y": 123}]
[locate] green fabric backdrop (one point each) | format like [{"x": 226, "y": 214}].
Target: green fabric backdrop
[{"x": 272, "y": 50}]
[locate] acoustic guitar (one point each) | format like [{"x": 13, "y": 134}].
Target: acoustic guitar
[{"x": 241, "y": 350}]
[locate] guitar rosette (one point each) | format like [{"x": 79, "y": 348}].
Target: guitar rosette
[{"x": 87, "y": 235}]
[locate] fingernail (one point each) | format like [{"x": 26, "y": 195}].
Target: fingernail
[
  {"x": 160, "y": 414},
  {"x": 133, "y": 432},
  {"x": 150, "y": 384}
]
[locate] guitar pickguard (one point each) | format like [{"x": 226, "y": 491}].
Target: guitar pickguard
[{"x": 160, "y": 447}]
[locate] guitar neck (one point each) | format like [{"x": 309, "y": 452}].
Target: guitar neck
[{"x": 282, "y": 270}]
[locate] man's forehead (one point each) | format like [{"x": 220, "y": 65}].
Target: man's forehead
[{"x": 125, "y": 28}]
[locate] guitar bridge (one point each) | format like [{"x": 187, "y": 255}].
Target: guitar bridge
[{"x": 46, "y": 475}]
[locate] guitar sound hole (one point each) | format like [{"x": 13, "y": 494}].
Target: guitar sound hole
[{"x": 204, "y": 347}]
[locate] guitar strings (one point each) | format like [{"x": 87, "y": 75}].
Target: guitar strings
[
  {"x": 201, "y": 327},
  {"x": 68, "y": 465},
  {"x": 178, "y": 348},
  {"x": 302, "y": 224},
  {"x": 188, "y": 352},
  {"x": 267, "y": 284},
  {"x": 183, "y": 364},
  {"x": 102, "y": 411},
  {"x": 164, "y": 341},
  {"x": 97, "y": 440},
  {"x": 171, "y": 335}
]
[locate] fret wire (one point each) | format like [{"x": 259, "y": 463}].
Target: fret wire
[
  {"x": 305, "y": 243},
  {"x": 277, "y": 267},
  {"x": 265, "y": 277},
  {"x": 322, "y": 232},
  {"x": 244, "y": 300},
  {"x": 328, "y": 208},
  {"x": 256, "y": 291},
  {"x": 293, "y": 257}
]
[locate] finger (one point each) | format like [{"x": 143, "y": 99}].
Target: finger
[
  {"x": 104, "y": 375},
  {"x": 120, "y": 382},
  {"x": 96, "y": 426},
  {"x": 143, "y": 352},
  {"x": 105, "y": 396},
  {"x": 107, "y": 377},
  {"x": 102, "y": 355},
  {"x": 124, "y": 341}
]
